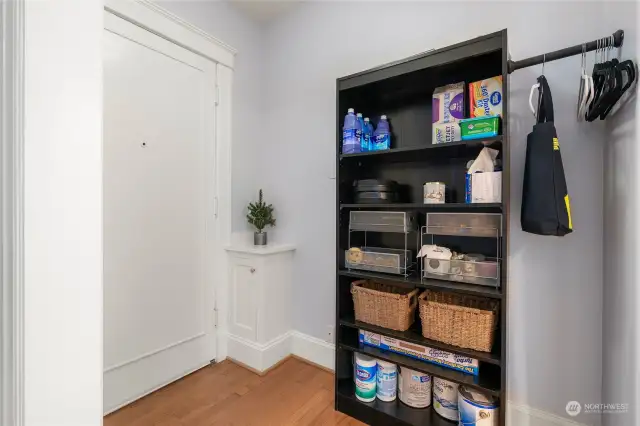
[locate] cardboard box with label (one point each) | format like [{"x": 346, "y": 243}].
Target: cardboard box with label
[{"x": 434, "y": 356}]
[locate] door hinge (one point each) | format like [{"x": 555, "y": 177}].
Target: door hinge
[
  {"x": 215, "y": 206},
  {"x": 217, "y": 95},
  {"x": 215, "y": 317}
]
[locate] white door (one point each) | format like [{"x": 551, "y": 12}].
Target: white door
[{"x": 159, "y": 148}]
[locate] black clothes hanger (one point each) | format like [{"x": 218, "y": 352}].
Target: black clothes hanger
[
  {"x": 627, "y": 68},
  {"x": 598, "y": 83},
  {"x": 605, "y": 83},
  {"x": 611, "y": 80}
]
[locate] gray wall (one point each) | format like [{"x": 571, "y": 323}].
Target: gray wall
[
  {"x": 227, "y": 24},
  {"x": 555, "y": 317},
  {"x": 620, "y": 197}
]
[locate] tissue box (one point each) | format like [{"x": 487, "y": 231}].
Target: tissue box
[
  {"x": 447, "y": 105},
  {"x": 446, "y": 132},
  {"x": 483, "y": 187},
  {"x": 423, "y": 353}
]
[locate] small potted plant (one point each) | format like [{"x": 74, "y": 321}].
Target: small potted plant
[{"x": 260, "y": 216}]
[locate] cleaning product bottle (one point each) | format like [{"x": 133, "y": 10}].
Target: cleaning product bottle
[
  {"x": 382, "y": 135},
  {"x": 349, "y": 144},
  {"x": 367, "y": 135},
  {"x": 359, "y": 129},
  {"x": 370, "y": 129}
]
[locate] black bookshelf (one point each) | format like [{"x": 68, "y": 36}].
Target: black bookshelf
[{"x": 402, "y": 90}]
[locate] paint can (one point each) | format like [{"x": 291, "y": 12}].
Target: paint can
[
  {"x": 476, "y": 408},
  {"x": 365, "y": 378},
  {"x": 414, "y": 388},
  {"x": 387, "y": 381},
  {"x": 445, "y": 398}
]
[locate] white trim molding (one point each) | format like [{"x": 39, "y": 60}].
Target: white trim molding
[
  {"x": 165, "y": 24},
  {"x": 12, "y": 212},
  {"x": 224, "y": 151},
  {"x": 523, "y": 415},
  {"x": 259, "y": 357},
  {"x": 313, "y": 349},
  {"x": 261, "y": 250},
  {"x": 153, "y": 352}
]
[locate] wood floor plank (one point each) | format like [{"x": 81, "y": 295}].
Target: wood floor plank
[
  {"x": 311, "y": 409},
  {"x": 226, "y": 394}
]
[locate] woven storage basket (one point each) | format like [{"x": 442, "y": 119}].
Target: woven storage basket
[
  {"x": 464, "y": 321},
  {"x": 384, "y": 305}
]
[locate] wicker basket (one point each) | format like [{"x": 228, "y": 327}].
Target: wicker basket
[
  {"x": 384, "y": 305},
  {"x": 464, "y": 321}
]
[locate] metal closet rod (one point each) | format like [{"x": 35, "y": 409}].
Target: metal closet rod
[{"x": 618, "y": 37}]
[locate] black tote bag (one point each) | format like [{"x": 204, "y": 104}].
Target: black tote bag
[{"x": 545, "y": 200}]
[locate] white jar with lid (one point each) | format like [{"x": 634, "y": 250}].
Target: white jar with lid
[{"x": 433, "y": 193}]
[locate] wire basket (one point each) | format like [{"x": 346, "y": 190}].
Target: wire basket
[
  {"x": 379, "y": 259},
  {"x": 384, "y": 305},
  {"x": 463, "y": 321}
]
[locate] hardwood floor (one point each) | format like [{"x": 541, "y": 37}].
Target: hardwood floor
[{"x": 294, "y": 393}]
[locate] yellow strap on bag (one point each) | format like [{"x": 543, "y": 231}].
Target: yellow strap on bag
[{"x": 568, "y": 204}]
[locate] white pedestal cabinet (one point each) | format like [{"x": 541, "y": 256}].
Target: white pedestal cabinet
[{"x": 260, "y": 304}]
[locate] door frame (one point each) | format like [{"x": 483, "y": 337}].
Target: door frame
[
  {"x": 12, "y": 134},
  {"x": 165, "y": 24},
  {"x": 12, "y": 17}
]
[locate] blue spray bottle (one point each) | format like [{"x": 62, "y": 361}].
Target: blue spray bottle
[
  {"x": 367, "y": 135},
  {"x": 349, "y": 145},
  {"x": 382, "y": 135}
]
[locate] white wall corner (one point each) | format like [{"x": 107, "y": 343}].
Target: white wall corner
[
  {"x": 222, "y": 344},
  {"x": 313, "y": 349},
  {"x": 523, "y": 415},
  {"x": 260, "y": 357}
]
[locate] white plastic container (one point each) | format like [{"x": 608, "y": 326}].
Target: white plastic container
[
  {"x": 365, "y": 377},
  {"x": 445, "y": 398},
  {"x": 414, "y": 388},
  {"x": 387, "y": 381},
  {"x": 476, "y": 408}
]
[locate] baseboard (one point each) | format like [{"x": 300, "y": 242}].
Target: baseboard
[
  {"x": 311, "y": 363},
  {"x": 260, "y": 373},
  {"x": 121, "y": 404},
  {"x": 313, "y": 349},
  {"x": 126, "y": 382},
  {"x": 523, "y": 415},
  {"x": 259, "y": 357}
]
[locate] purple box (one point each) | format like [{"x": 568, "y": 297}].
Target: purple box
[{"x": 448, "y": 103}]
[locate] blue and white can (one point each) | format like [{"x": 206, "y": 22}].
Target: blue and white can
[
  {"x": 476, "y": 408},
  {"x": 445, "y": 398},
  {"x": 387, "y": 381}
]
